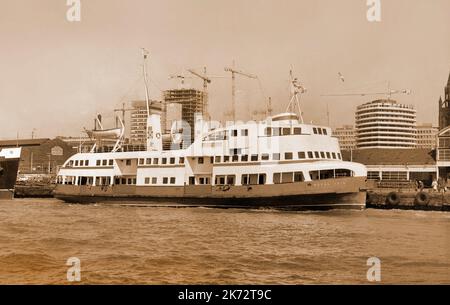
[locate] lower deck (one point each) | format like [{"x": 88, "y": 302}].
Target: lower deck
[{"x": 346, "y": 192}]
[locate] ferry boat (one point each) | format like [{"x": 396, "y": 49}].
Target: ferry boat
[
  {"x": 280, "y": 162},
  {"x": 9, "y": 166}
]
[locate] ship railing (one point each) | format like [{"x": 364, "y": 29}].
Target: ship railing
[{"x": 124, "y": 148}]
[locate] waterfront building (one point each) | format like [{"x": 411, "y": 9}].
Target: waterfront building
[
  {"x": 385, "y": 124},
  {"x": 396, "y": 164},
  {"x": 41, "y": 156},
  {"x": 346, "y": 136},
  {"x": 426, "y": 136}
]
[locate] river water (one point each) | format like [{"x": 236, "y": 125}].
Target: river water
[{"x": 142, "y": 245}]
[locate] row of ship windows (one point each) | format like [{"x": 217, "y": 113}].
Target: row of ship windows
[
  {"x": 282, "y": 178},
  {"x": 277, "y": 156},
  {"x": 104, "y": 181},
  {"x": 86, "y": 163},
  {"x": 246, "y": 158},
  {"x": 225, "y": 134},
  {"x": 155, "y": 161},
  {"x": 282, "y": 131},
  {"x": 287, "y": 131},
  {"x": 217, "y": 159},
  {"x": 269, "y": 132},
  {"x": 246, "y": 179}
]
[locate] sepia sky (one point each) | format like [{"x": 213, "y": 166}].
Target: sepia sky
[{"x": 56, "y": 75}]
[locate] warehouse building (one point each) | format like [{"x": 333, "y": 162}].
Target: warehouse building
[{"x": 41, "y": 156}]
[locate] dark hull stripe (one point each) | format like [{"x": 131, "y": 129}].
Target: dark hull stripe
[{"x": 298, "y": 202}]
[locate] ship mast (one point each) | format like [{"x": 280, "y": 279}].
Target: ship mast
[
  {"x": 144, "y": 68},
  {"x": 154, "y": 136}
]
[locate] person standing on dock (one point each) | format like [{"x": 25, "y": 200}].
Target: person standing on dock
[
  {"x": 420, "y": 185},
  {"x": 434, "y": 185}
]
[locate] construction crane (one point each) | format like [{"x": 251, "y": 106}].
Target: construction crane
[
  {"x": 206, "y": 80},
  {"x": 388, "y": 93},
  {"x": 180, "y": 77},
  {"x": 204, "y": 77},
  {"x": 233, "y": 87}
]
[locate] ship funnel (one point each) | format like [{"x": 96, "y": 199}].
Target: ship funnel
[{"x": 154, "y": 135}]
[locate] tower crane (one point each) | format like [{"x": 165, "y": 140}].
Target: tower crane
[
  {"x": 204, "y": 77},
  {"x": 206, "y": 80},
  {"x": 180, "y": 77},
  {"x": 233, "y": 87},
  {"x": 387, "y": 93}
]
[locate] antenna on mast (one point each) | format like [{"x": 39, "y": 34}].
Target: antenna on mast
[
  {"x": 296, "y": 89},
  {"x": 145, "y": 54},
  {"x": 328, "y": 114}
]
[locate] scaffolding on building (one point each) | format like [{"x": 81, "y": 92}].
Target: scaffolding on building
[{"x": 192, "y": 102}]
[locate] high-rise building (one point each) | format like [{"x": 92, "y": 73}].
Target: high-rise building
[
  {"x": 385, "y": 124},
  {"x": 192, "y": 102},
  {"x": 346, "y": 136},
  {"x": 138, "y": 120},
  {"x": 426, "y": 136}
]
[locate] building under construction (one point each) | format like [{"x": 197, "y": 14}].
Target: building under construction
[{"x": 192, "y": 102}]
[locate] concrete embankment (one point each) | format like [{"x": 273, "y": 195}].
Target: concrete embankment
[
  {"x": 407, "y": 199},
  {"x": 34, "y": 191},
  {"x": 34, "y": 186}
]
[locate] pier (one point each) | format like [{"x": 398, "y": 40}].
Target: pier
[{"x": 408, "y": 200}]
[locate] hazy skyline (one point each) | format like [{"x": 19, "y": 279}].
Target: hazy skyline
[{"x": 56, "y": 75}]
